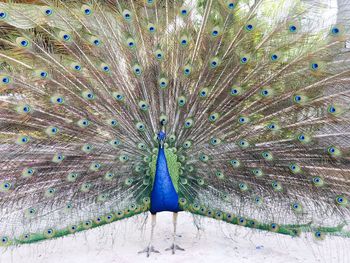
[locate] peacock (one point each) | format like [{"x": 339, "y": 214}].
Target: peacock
[{"x": 236, "y": 110}]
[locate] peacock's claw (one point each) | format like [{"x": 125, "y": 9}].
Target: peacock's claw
[
  {"x": 174, "y": 247},
  {"x": 149, "y": 249}
]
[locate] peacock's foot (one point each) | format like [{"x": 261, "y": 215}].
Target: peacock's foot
[
  {"x": 148, "y": 250},
  {"x": 175, "y": 247}
]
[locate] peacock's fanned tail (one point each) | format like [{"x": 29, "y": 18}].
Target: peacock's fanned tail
[{"x": 254, "y": 94}]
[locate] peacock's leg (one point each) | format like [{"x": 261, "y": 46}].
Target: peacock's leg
[
  {"x": 149, "y": 249},
  {"x": 174, "y": 246}
]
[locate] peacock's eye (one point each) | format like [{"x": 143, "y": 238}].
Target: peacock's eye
[
  {"x": 5, "y": 80},
  {"x": 43, "y": 74},
  {"x": 131, "y": 44},
  {"x": 2, "y": 15},
  {"x": 242, "y": 120},
  {"x": 24, "y": 43},
  {"x": 188, "y": 123},
  {"x": 249, "y": 27},
  {"x": 66, "y": 37},
  {"x": 341, "y": 200},
  {"x": 151, "y": 28},
  {"x": 203, "y": 93},
  {"x": 231, "y": 5},
  {"x": 137, "y": 71},
  {"x": 244, "y": 60},
  {"x": 265, "y": 92},
  {"x": 274, "y": 57},
  {"x": 48, "y": 12},
  {"x": 335, "y": 30},
  {"x": 127, "y": 15},
  {"x": 331, "y": 109},
  {"x": 292, "y": 28}
]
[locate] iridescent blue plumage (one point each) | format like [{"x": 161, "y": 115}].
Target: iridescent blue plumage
[{"x": 164, "y": 196}]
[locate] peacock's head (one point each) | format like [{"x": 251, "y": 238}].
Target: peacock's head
[{"x": 161, "y": 138}]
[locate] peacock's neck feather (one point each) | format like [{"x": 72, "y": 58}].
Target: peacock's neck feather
[
  {"x": 165, "y": 172},
  {"x": 172, "y": 164}
]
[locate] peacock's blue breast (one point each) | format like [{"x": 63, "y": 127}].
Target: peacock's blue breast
[{"x": 163, "y": 196}]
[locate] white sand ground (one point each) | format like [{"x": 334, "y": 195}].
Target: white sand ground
[{"x": 119, "y": 242}]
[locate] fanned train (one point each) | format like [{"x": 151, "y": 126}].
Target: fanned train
[{"x": 233, "y": 110}]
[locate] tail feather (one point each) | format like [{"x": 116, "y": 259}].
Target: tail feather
[{"x": 254, "y": 97}]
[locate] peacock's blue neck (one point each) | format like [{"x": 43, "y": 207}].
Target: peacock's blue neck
[{"x": 163, "y": 196}]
